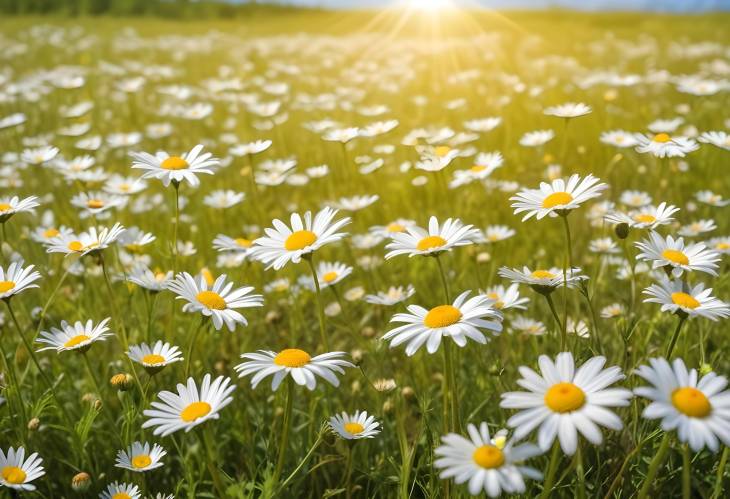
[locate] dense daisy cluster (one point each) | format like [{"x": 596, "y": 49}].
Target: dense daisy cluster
[{"x": 238, "y": 265}]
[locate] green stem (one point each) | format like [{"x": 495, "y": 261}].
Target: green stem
[
  {"x": 654, "y": 467},
  {"x": 444, "y": 282},
  {"x": 549, "y": 299},
  {"x": 717, "y": 491},
  {"x": 552, "y": 468},
  {"x": 302, "y": 462},
  {"x": 568, "y": 265},
  {"x": 580, "y": 472},
  {"x": 320, "y": 304},
  {"x": 348, "y": 469},
  {"x": 286, "y": 426},
  {"x": 686, "y": 472},
  {"x": 193, "y": 337},
  {"x": 10, "y": 368},
  {"x": 97, "y": 388},
  {"x": 212, "y": 462},
  {"x": 675, "y": 336}
]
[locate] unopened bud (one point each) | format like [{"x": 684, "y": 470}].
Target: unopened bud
[
  {"x": 81, "y": 482},
  {"x": 122, "y": 381},
  {"x": 33, "y": 424},
  {"x": 622, "y": 230}
]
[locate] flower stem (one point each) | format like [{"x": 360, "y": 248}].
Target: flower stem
[
  {"x": 348, "y": 469},
  {"x": 191, "y": 345},
  {"x": 568, "y": 265},
  {"x": 552, "y": 469},
  {"x": 212, "y": 462},
  {"x": 654, "y": 467},
  {"x": 557, "y": 321},
  {"x": 286, "y": 426},
  {"x": 675, "y": 336},
  {"x": 320, "y": 305},
  {"x": 720, "y": 473},
  {"x": 686, "y": 472},
  {"x": 580, "y": 472},
  {"x": 444, "y": 282}
]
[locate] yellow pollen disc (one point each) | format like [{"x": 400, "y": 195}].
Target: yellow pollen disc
[
  {"x": 488, "y": 457},
  {"x": 685, "y": 300},
  {"x": 13, "y": 474},
  {"x": 329, "y": 276},
  {"x": 160, "y": 276},
  {"x": 691, "y": 402},
  {"x": 662, "y": 138},
  {"x": 354, "y": 428},
  {"x": 153, "y": 358},
  {"x": 79, "y": 338},
  {"x": 49, "y": 233},
  {"x": 174, "y": 163},
  {"x": 478, "y": 168},
  {"x": 557, "y": 199},
  {"x": 194, "y": 411},
  {"x": 442, "y": 316},
  {"x": 675, "y": 256},
  {"x": 442, "y": 151},
  {"x": 243, "y": 243},
  {"x": 430, "y": 242},
  {"x": 494, "y": 296},
  {"x": 543, "y": 274},
  {"x": 395, "y": 227},
  {"x": 141, "y": 461},
  {"x": 121, "y": 495},
  {"x": 299, "y": 240},
  {"x": 124, "y": 187},
  {"x": 75, "y": 246},
  {"x": 211, "y": 299},
  {"x": 94, "y": 203},
  {"x": 4, "y": 207},
  {"x": 722, "y": 246},
  {"x": 644, "y": 218},
  {"x": 6, "y": 286},
  {"x": 564, "y": 397},
  {"x": 292, "y": 357}
]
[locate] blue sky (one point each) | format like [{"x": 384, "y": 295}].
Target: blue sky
[{"x": 663, "y": 5}]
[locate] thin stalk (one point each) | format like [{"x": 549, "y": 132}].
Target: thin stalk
[
  {"x": 552, "y": 469},
  {"x": 549, "y": 299},
  {"x": 686, "y": 472},
  {"x": 348, "y": 469},
  {"x": 320, "y": 304},
  {"x": 568, "y": 265},
  {"x": 212, "y": 462},
  {"x": 654, "y": 467},
  {"x": 97, "y": 388},
  {"x": 675, "y": 336},
  {"x": 286, "y": 426},
  {"x": 173, "y": 308},
  {"x": 10, "y": 368},
  {"x": 193, "y": 337},
  {"x": 444, "y": 282},
  {"x": 580, "y": 472},
  {"x": 302, "y": 462},
  {"x": 717, "y": 491}
]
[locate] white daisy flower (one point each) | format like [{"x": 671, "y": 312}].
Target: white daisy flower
[
  {"x": 189, "y": 407},
  {"x": 133, "y": 239},
  {"x": 156, "y": 357},
  {"x": 396, "y": 226},
  {"x": 355, "y": 203},
  {"x": 563, "y": 401},
  {"x": 635, "y": 199},
  {"x": 141, "y": 457},
  {"x": 696, "y": 228},
  {"x": 9, "y": 206},
  {"x": 720, "y": 244},
  {"x": 438, "y": 238},
  {"x": 613, "y": 310},
  {"x": 619, "y": 138},
  {"x": 459, "y": 321},
  {"x": 250, "y": 148},
  {"x": 15, "y": 279},
  {"x": 354, "y": 426},
  {"x": 558, "y": 197},
  {"x": 483, "y": 124},
  {"x": 662, "y": 145},
  {"x": 149, "y": 280},
  {"x": 78, "y": 336},
  {"x": 674, "y": 255},
  {"x": 392, "y": 296},
  {"x": 16, "y": 472},
  {"x": 118, "y": 490},
  {"x": 543, "y": 280},
  {"x": 496, "y": 233},
  {"x": 678, "y": 297},
  {"x": 219, "y": 302},
  {"x": 283, "y": 244},
  {"x": 435, "y": 159},
  {"x": 505, "y": 298},
  {"x": 175, "y": 169},
  {"x": 698, "y": 409},
  {"x": 604, "y": 246},
  {"x": 93, "y": 241},
  {"x": 718, "y": 139},
  {"x": 649, "y": 217},
  {"x": 124, "y": 186},
  {"x": 537, "y": 138},
  {"x": 568, "y": 110},
  {"x": 712, "y": 199},
  {"x": 490, "y": 465},
  {"x": 222, "y": 199},
  {"x": 329, "y": 274},
  {"x": 302, "y": 367},
  {"x": 39, "y": 155},
  {"x": 97, "y": 203},
  {"x": 527, "y": 326}
]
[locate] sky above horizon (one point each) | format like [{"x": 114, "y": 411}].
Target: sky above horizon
[{"x": 641, "y": 5}]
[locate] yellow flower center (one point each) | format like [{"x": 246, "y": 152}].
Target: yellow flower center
[
  {"x": 478, "y": 168},
  {"x": 675, "y": 256},
  {"x": 153, "y": 358},
  {"x": 174, "y": 163},
  {"x": 557, "y": 199},
  {"x": 565, "y": 397},
  {"x": 329, "y": 276},
  {"x": 685, "y": 300},
  {"x": 207, "y": 275},
  {"x": 121, "y": 495},
  {"x": 49, "y": 233},
  {"x": 395, "y": 227},
  {"x": 79, "y": 338},
  {"x": 494, "y": 296},
  {"x": 292, "y": 357},
  {"x": 95, "y": 203},
  {"x": 13, "y": 474},
  {"x": 211, "y": 299},
  {"x": 243, "y": 243},
  {"x": 442, "y": 151},
  {"x": 141, "y": 461},
  {"x": 194, "y": 411},
  {"x": 722, "y": 246},
  {"x": 124, "y": 187},
  {"x": 543, "y": 274},
  {"x": 662, "y": 138},
  {"x": 299, "y": 240},
  {"x": 644, "y": 218},
  {"x": 354, "y": 428},
  {"x": 75, "y": 246},
  {"x": 6, "y": 286},
  {"x": 691, "y": 402},
  {"x": 430, "y": 242},
  {"x": 5, "y": 207},
  {"x": 442, "y": 316},
  {"x": 488, "y": 457},
  {"x": 134, "y": 248}
]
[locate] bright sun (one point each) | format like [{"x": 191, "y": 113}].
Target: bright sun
[{"x": 430, "y": 4}]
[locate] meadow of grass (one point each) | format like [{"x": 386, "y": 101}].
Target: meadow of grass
[{"x": 277, "y": 78}]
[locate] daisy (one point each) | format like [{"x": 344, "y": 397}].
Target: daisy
[
  {"x": 558, "y": 197},
  {"x": 124, "y": 186},
  {"x": 118, "y": 490},
  {"x": 434, "y": 159},
  {"x": 675, "y": 256},
  {"x": 250, "y": 148},
  {"x": 459, "y": 321},
  {"x": 13, "y": 205},
  {"x": 302, "y": 367},
  {"x": 392, "y": 296},
  {"x": 720, "y": 244},
  {"x": 648, "y": 217},
  {"x": 78, "y": 336},
  {"x": 619, "y": 138},
  {"x": 189, "y": 407},
  {"x": 497, "y": 233},
  {"x": 284, "y": 244},
  {"x": 506, "y": 298},
  {"x": 16, "y": 279},
  {"x": 635, "y": 199},
  {"x": 712, "y": 199},
  {"x": 330, "y": 274},
  {"x": 85, "y": 243},
  {"x": 156, "y": 357},
  {"x": 563, "y": 401},
  {"x": 355, "y": 203},
  {"x": 239, "y": 245},
  {"x": 175, "y": 169},
  {"x": 483, "y": 125},
  {"x": 396, "y": 226},
  {"x": 696, "y": 228},
  {"x": 537, "y": 138},
  {"x": 718, "y": 139},
  {"x": 149, "y": 280},
  {"x": 663, "y": 145},
  {"x": 354, "y": 426},
  {"x": 97, "y": 203},
  {"x": 679, "y": 298},
  {"x": 543, "y": 281},
  {"x": 438, "y": 238},
  {"x": 568, "y": 110},
  {"x": 39, "y": 155},
  {"x": 604, "y": 246},
  {"x": 141, "y": 457},
  {"x": 527, "y": 326},
  {"x": 223, "y": 198},
  {"x": 490, "y": 465},
  {"x": 612, "y": 311},
  {"x": 133, "y": 239},
  {"x": 698, "y": 409},
  {"x": 218, "y": 303},
  {"x": 17, "y": 472}
]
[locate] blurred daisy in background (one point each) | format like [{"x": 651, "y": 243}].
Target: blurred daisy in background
[
  {"x": 568, "y": 110},
  {"x": 391, "y": 297},
  {"x": 156, "y": 357},
  {"x": 93, "y": 241}
]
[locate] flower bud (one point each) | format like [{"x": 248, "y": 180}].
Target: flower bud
[
  {"x": 122, "y": 381},
  {"x": 81, "y": 482},
  {"x": 622, "y": 230}
]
